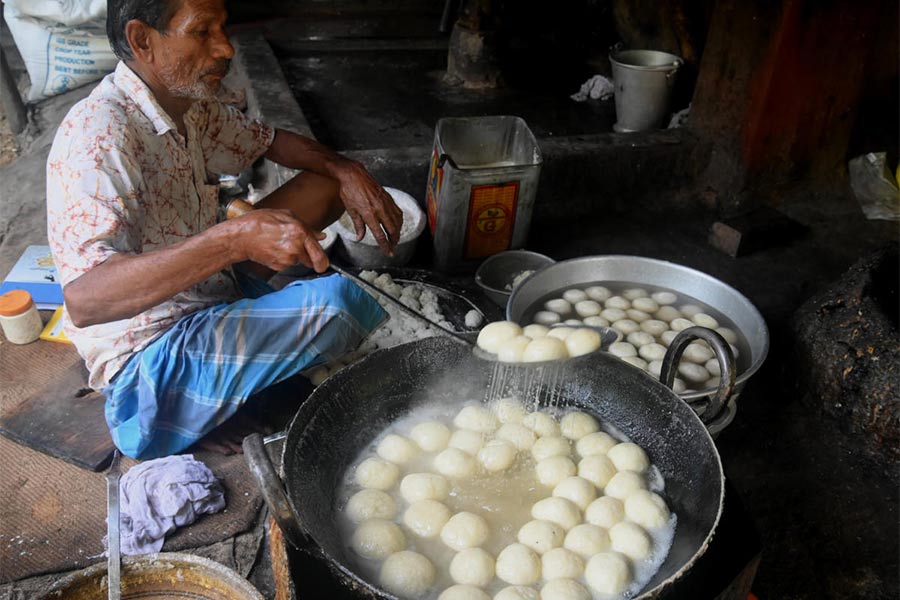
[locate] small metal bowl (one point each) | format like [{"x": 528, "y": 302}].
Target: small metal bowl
[{"x": 497, "y": 273}]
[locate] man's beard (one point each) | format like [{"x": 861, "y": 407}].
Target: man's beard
[{"x": 200, "y": 89}]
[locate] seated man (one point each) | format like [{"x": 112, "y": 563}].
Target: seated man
[{"x": 152, "y": 302}]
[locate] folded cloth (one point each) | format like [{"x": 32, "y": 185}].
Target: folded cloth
[
  {"x": 597, "y": 87},
  {"x": 160, "y": 495}
]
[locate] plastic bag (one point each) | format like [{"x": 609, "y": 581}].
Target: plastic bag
[
  {"x": 62, "y": 12},
  {"x": 874, "y": 187}
]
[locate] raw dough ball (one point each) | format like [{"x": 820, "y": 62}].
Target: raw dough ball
[
  {"x": 551, "y": 471},
  {"x": 598, "y": 442},
  {"x": 465, "y": 530},
  {"x": 549, "y": 446},
  {"x": 631, "y": 540},
  {"x": 729, "y": 334},
  {"x": 511, "y": 350},
  {"x": 541, "y": 423},
  {"x": 545, "y": 348},
  {"x": 472, "y": 566},
  {"x": 431, "y": 436},
  {"x": 377, "y": 474},
  {"x": 598, "y": 293},
  {"x": 541, "y": 536},
  {"x": 453, "y": 462},
  {"x": 689, "y": 310},
  {"x": 424, "y": 486},
  {"x": 561, "y": 563},
  {"x": 652, "y": 351},
  {"x": 476, "y": 418},
  {"x": 535, "y": 330},
  {"x": 697, "y": 352},
  {"x": 605, "y": 512},
  {"x": 509, "y": 410},
  {"x": 466, "y": 440},
  {"x": 407, "y": 574},
  {"x": 426, "y": 518},
  {"x": 597, "y": 469},
  {"x": 318, "y": 375},
  {"x": 613, "y": 314},
  {"x": 693, "y": 373},
  {"x": 654, "y": 327},
  {"x": 638, "y": 316},
  {"x": 546, "y": 317},
  {"x": 617, "y": 302},
  {"x": 647, "y": 305},
  {"x": 637, "y": 361},
  {"x": 587, "y": 540},
  {"x": 377, "y": 539},
  {"x": 576, "y": 425},
  {"x": 557, "y": 510},
  {"x": 559, "y": 306},
  {"x": 370, "y": 504},
  {"x": 647, "y": 509},
  {"x": 705, "y": 320},
  {"x": 463, "y": 592},
  {"x": 564, "y": 589},
  {"x": 518, "y": 435},
  {"x": 623, "y": 484},
  {"x": 561, "y": 333},
  {"x": 712, "y": 366},
  {"x": 574, "y": 296},
  {"x": 639, "y": 338},
  {"x": 608, "y": 573},
  {"x": 667, "y": 337},
  {"x": 397, "y": 449},
  {"x": 668, "y": 313},
  {"x": 582, "y": 341},
  {"x": 494, "y": 334},
  {"x": 517, "y": 592},
  {"x": 596, "y": 321},
  {"x": 578, "y": 490},
  {"x": 473, "y": 319},
  {"x": 681, "y": 324},
  {"x": 628, "y": 456},
  {"x": 518, "y": 564},
  {"x": 588, "y": 308},
  {"x": 626, "y": 326},
  {"x": 622, "y": 349},
  {"x": 497, "y": 455}
]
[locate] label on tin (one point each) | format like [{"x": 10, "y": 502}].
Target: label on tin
[
  {"x": 492, "y": 215},
  {"x": 435, "y": 179}
]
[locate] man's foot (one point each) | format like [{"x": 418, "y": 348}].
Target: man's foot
[{"x": 227, "y": 438}]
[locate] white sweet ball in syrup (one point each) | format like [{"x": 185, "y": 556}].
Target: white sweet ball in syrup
[
  {"x": 561, "y": 563},
  {"x": 711, "y": 383},
  {"x": 697, "y": 352},
  {"x": 397, "y": 449},
  {"x": 597, "y": 469},
  {"x": 654, "y": 367},
  {"x": 631, "y": 540},
  {"x": 454, "y": 462},
  {"x": 639, "y": 338},
  {"x": 377, "y": 474},
  {"x": 637, "y": 361},
  {"x": 608, "y": 573},
  {"x": 680, "y": 324},
  {"x": 559, "y": 305},
  {"x": 638, "y": 316},
  {"x": 476, "y": 418},
  {"x": 598, "y": 293},
  {"x": 647, "y": 305},
  {"x": 619, "y": 302},
  {"x": 407, "y": 574},
  {"x": 667, "y": 337},
  {"x": 549, "y": 446},
  {"x": 517, "y": 434},
  {"x": 466, "y": 440},
  {"x": 652, "y": 351},
  {"x": 689, "y": 310},
  {"x": 511, "y": 351},
  {"x": 647, "y": 509},
  {"x": 613, "y": 314},
  {"x": 628, "y": 456},
  {"x": 465, "y": 530},
  {"x": 668, "y": 313},
  {"x": 509, "y": 410},
  {"x": 541, "y": 423},
  {"x": 472, "y": 566},
  {"x": 377, "y": 539},
  {"x": 424, "y": 486},
  {"x": 431, "y": 436},
  {"x": 463, "y": 592},
  {"x": 665, "y": 297},
  {"x": 705, "y": 320},
  {"x": 693, "y": 373},
  {"x": 551, "y": 471},
  {"x": 622, "y": 349},
  {"x": 517, "y": 592},
  {"x": 546, "y": 317},
  {"x": 535, "y": 330},
  {"x": 518, "y": 564},
  {"x": 654, "y": 327},
  {"x": 561, "y": 333},
  {"x": 497, "y": 455},
  {"x": 635, "y": 293},
  {"x": 679, "y": 386},
  {"x": 573, "y": 322},
  {"x": 576, "y": 425},
  {"x": 587, "y": 540},
  {"x": 623, "y": 484},
  {"x": 598, "y": 442},
  {"x": 557, "y": 510},
  {"x": 605, "y": 512},
  {"x": 426, "y": 518},
  {"x": 564, "y": 589},
  {"x": 370, "y": 504},
  {"x": 712, "y": 366},
  {"x": 729, "y": 334},
  {"x": 626, "y": 326},
  {"x": 583, "y": 341},
  {"x": 494, "y": 334},
  {"x": 541, "y": 536},
  {"x": 588, "y": 308},
  {"x": 596, "y": 321},
  {"x": 543, "y": 349},
  {"x": 578, "y": 490},
  {"x": 574, "y": 295}
]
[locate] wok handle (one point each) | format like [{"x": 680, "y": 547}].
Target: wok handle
[
  {"x": 273, "y": 491},
  {"x": 723, "y": 355}
]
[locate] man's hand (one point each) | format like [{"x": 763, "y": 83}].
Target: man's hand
[
  {"x": 275, "y": 239},
  {"x": 369, "y": 205}
]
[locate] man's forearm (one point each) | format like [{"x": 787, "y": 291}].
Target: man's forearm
[{"x": 298, "y": 152}]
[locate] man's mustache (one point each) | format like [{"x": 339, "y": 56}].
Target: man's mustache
[{"x": 221, "y": 68}]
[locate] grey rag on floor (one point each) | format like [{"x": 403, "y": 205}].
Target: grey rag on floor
[{"x": 160, "y": 495}]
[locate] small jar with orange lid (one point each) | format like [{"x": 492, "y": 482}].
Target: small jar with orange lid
[{"x": 19, "y": 317}]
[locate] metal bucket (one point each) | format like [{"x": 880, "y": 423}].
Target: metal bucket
[{"x": 643, "y": 81}]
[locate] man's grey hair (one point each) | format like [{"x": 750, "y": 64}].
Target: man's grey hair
[{"x": 155, "y": 13}]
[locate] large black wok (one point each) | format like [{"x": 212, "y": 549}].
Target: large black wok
[{"x": 346, "y": 412}]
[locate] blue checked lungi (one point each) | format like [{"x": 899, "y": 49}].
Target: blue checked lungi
[{"x": 199, "y": 373}]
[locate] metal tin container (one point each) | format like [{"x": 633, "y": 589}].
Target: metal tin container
[
  {"x": 481, "y": 188},
  {"x": 644, "y": 81}
]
